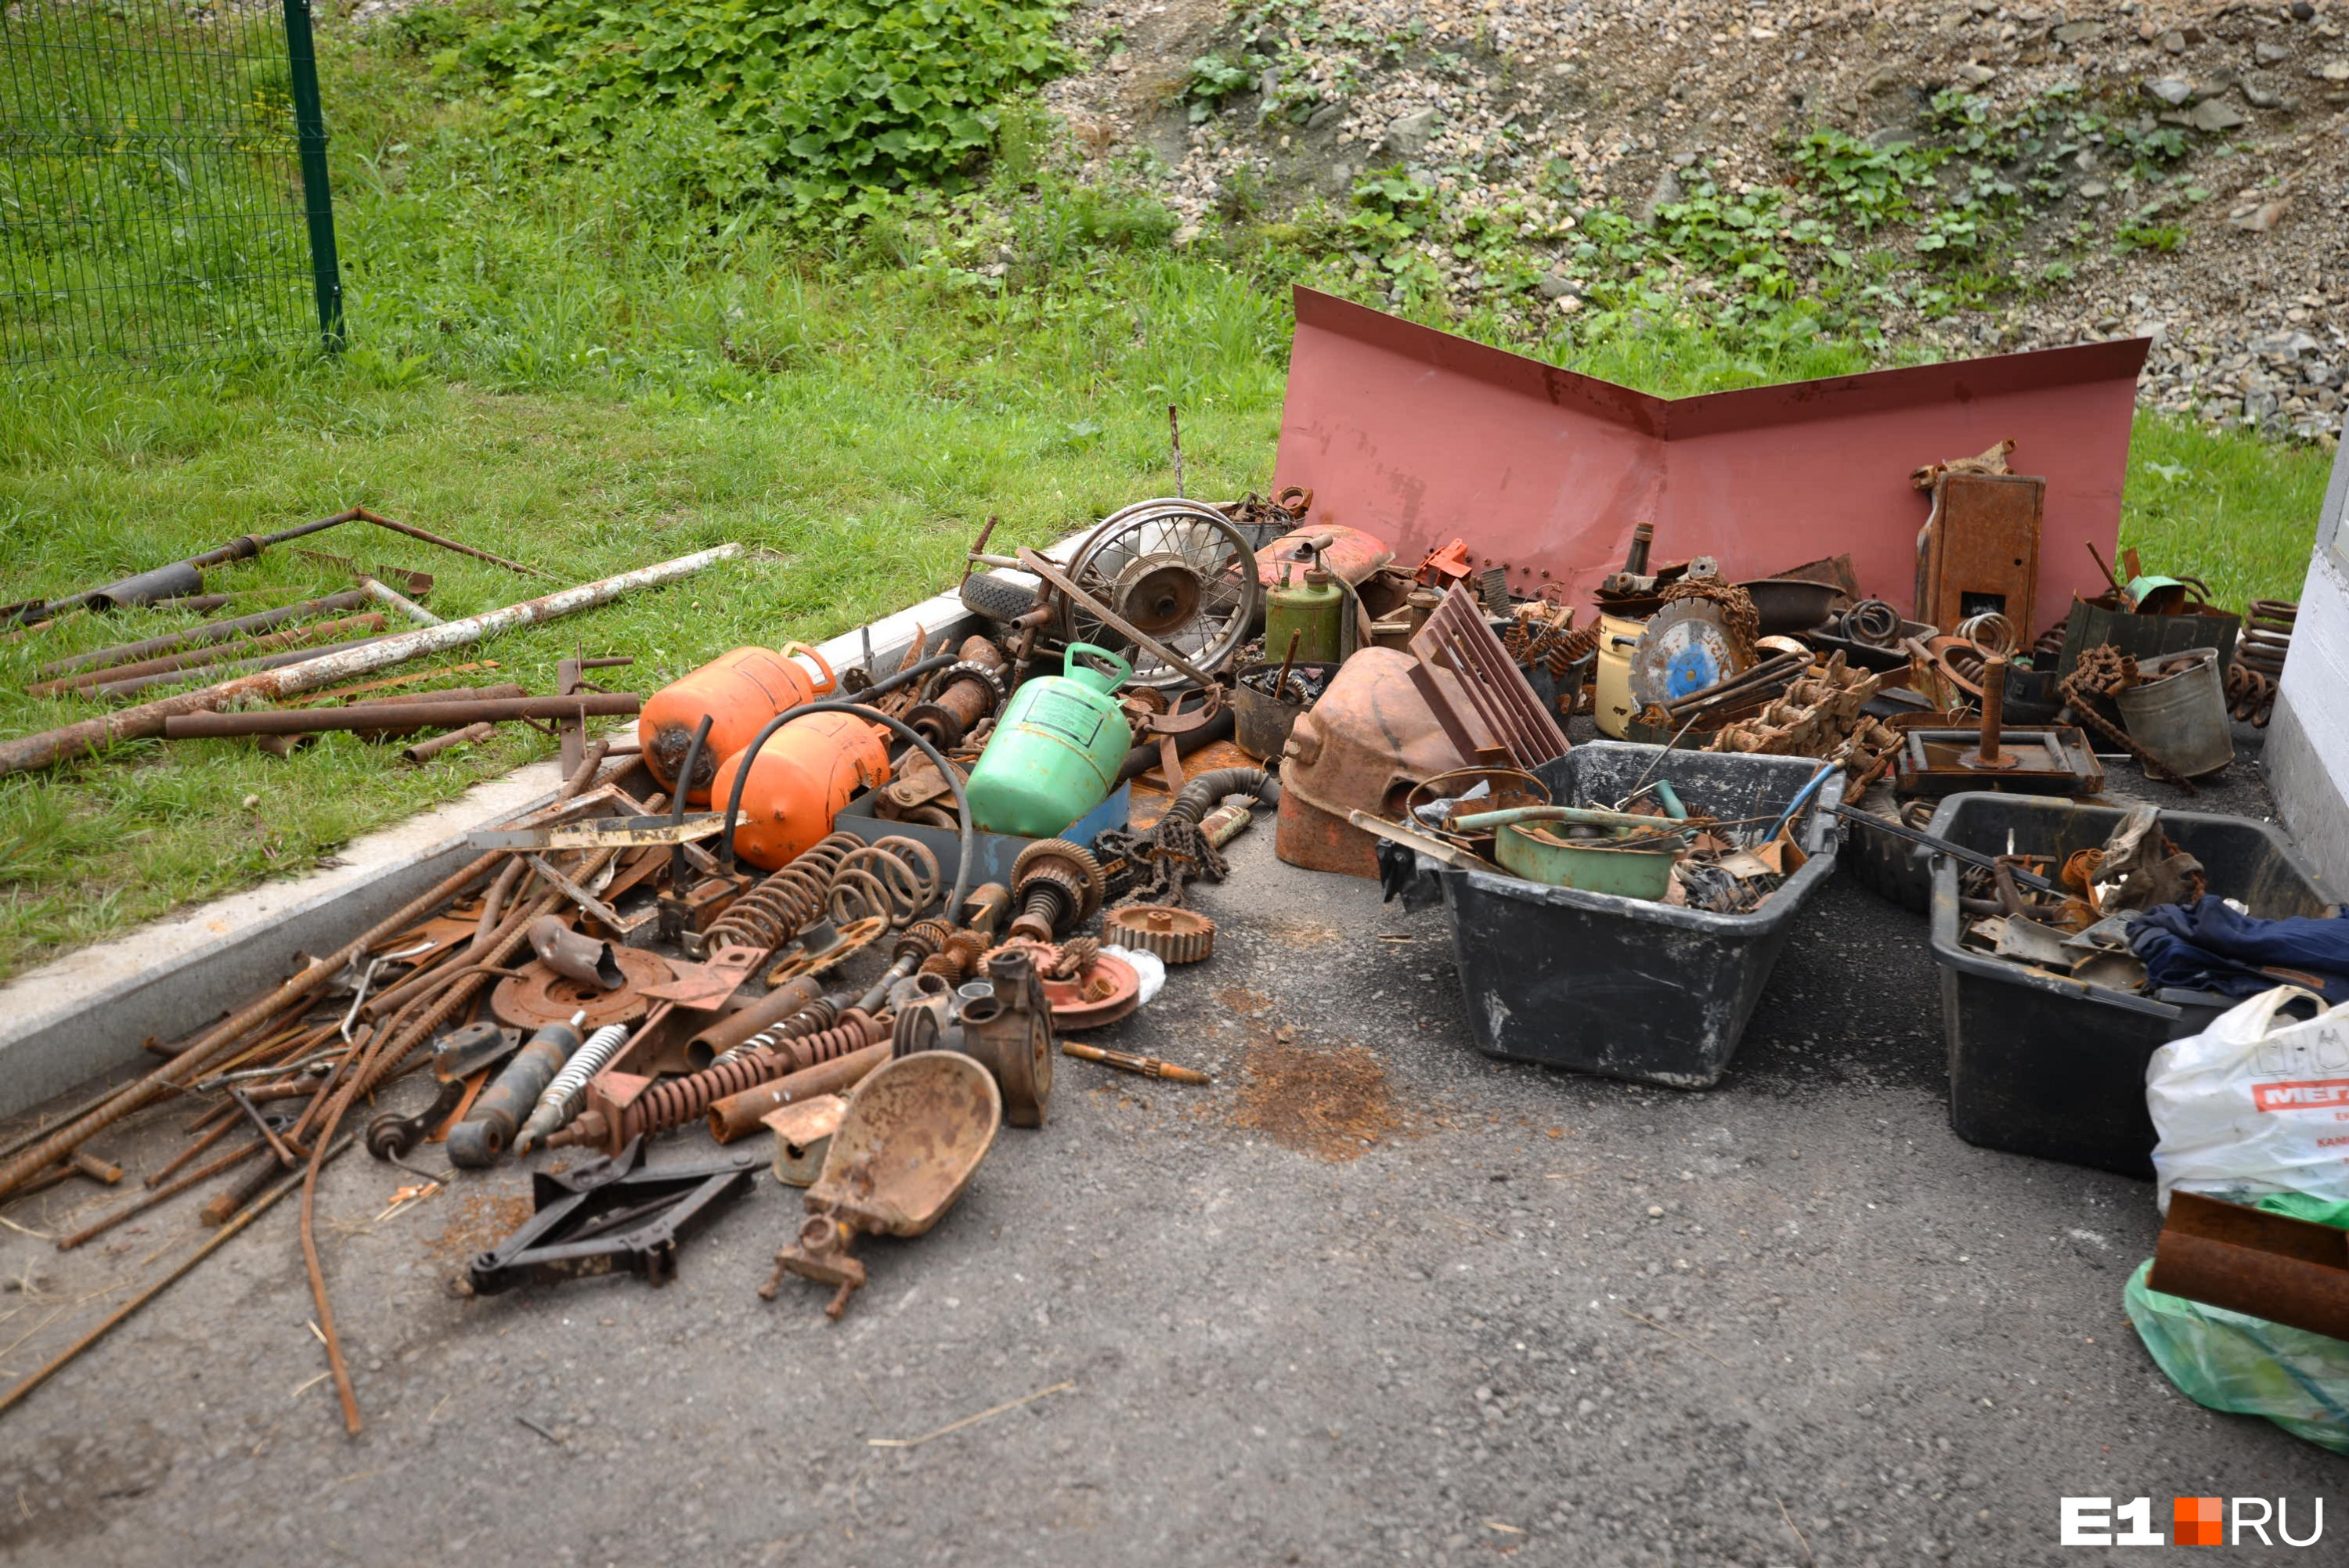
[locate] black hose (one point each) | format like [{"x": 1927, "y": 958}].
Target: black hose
[
  {"x": 676, "y": 861},
  {"x": 1199, "y": 794},
  {"x": 969, "y": 845},
  {"x": 913, "y": 672}
]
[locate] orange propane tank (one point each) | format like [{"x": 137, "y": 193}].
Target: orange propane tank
[
  {"x": 804, "y": 775},
  {"x": 740, "y": 691}
]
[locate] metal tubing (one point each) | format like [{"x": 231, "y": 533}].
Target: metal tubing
[
  {"x": 472, "y": 735},
  {"x": 115, "y": 689},
  {"x": 737, "y": 1116},
  {"x": 215, "y": 653},
  {"x": 199, "y": 636},
  {"x": 386, "y": 594},
  {"x": 404, "y": 714},
  {"x": 50, "y": 747}
]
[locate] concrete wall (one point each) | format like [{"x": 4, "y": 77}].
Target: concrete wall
[{"x": 2308, "y": 740}]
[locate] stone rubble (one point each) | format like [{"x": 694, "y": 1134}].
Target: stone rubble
[{"x": 2249, "y": 314}]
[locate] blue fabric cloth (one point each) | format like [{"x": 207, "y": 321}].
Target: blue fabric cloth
[{"x": 2207, "y": 946}]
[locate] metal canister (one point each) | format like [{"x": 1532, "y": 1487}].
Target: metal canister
[
  {"x": 1314, "y": 609},
  {"x": 1056, "y": 748},
  {"x": 1611, "y": 707}
]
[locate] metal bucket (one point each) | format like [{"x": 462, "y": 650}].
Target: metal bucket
[
  {"x": 2178, "y": 711},
  {"x": 1261, "y": 724}
]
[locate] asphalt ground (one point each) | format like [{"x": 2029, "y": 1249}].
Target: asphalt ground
[{"x": 1370, "y": 1298}]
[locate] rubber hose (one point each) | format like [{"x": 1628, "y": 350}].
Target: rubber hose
[{"x": 1199, "y": 794}]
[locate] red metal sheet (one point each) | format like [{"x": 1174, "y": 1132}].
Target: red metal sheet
[{"x": 1418, "y": 435}]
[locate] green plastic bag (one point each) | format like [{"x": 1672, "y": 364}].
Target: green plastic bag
[{"x": 2232, "y": 1361}]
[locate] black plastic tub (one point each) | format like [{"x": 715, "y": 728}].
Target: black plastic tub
[
  {"x": 2043, "y": 1064},
  {"x": 1598, "y": 984},
  {"x": 1894, "y": 869}
]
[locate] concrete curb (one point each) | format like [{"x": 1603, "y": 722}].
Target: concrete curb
[{"x": 89, "y": 1012}]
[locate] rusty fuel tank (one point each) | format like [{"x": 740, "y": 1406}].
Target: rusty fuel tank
[{"x": 1361, "y": 748}]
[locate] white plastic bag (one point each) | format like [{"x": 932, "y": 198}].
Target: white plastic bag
[{"x": 2254, "y": 1103}]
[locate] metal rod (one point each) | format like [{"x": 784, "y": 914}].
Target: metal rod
[
  {"x": 106, "y": 680},
  {"x": 210, "y": 1244},
  {"x": 1175, "y": 438},
  {"x": 401, "y": 714},
  {"x": 386, "y": 594},
  {"x": 363, "y": 515},
  {"x": 50, "y": 747},
  {"x": 212, "y": 632}
]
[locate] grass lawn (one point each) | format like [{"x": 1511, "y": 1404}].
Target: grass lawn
[{"x": 554, "y": 370}]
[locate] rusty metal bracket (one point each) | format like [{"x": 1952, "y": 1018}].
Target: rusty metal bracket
[{"x": 609, "y": 1215}]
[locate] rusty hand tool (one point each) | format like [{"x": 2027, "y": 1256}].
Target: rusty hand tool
[{"x": 1126, "y": 1061}]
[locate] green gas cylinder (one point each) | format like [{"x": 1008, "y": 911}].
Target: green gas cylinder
[
  {"x": 1315, "y": 609},
  {"x": 1056, "y": 748}
]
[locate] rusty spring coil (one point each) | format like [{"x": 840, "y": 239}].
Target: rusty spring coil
[
  {"x": 895, "y": 878},
  {"x": 817, "y": 1016},
  {"x": 674, "y": 1101},
  {"x": 779, "y": 908}
]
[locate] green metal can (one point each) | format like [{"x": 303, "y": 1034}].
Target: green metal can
[
  {"x": 1056, "y": 749},
  {"x": 1315, "y": 609}
]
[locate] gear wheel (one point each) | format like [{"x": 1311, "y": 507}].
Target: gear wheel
[
  {"x": 1058, "y": 886},
  {"x": 1176, "y": 936}
]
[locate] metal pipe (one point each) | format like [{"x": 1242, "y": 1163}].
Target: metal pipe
[
  {"x": 106, "y": 679},
  {"x": 472, "y": 735},
  {"x": 404, "y": 714},
  {"x": 115, "y": 689},
  {"x": 50, "y": 747},
  {"x": 199, "y": 636},
  {"x": 406, "y": 606}
]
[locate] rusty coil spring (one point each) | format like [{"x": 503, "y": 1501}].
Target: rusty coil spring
[
  {"x": 895, "y": 878},
  {"x": 779, "y": 908},
  {"x": 673, "y": 1102},
  {"x": 816, "y": 1017}
]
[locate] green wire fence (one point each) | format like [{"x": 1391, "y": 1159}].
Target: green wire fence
[{"x": 163, "y": 188}]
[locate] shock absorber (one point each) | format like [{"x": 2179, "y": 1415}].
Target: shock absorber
[
  {"x": 674, "y": 1101},
  {"x": 560, "y": 1101},
  {"x": 774, "y": 911}
]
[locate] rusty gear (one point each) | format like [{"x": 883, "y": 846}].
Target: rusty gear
[
  {"x": 1176, "y": 936},
  {"x": 1058, "y": 886}
]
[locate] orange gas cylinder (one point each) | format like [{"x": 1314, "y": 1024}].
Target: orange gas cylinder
[
  {"x": 804, "y": 775},
  {"x": 740, "y": 691}
]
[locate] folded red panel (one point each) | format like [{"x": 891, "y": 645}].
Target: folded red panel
[{"x": 1420, "y": 437}]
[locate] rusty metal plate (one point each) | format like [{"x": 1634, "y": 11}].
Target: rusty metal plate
[
  {"x": 702, "y": 986},
  {"x": 1418, "y": 436},
  {"x": 1982, "y": 550},
  {"x": 536, "y": 995}
]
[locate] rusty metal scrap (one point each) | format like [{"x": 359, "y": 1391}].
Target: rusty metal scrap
[
  {"x": 1476, "y": 690},
  {"x": 145, "y": 720},
  {"x": 407, "y": 713},
  {"x": 2288, "y": 1270}
]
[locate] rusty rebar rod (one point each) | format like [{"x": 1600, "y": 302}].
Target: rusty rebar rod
[
  {"x": 173, "y": 1076},
  {"x": 220, "y": 653},
  {"x": 401, "y": 714},
  {"x": 210, "y": 632},
  {"x": 210, "y": 1244}
]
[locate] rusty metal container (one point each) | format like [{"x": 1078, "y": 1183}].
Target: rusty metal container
[{"x": 1362, "y": 747}]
